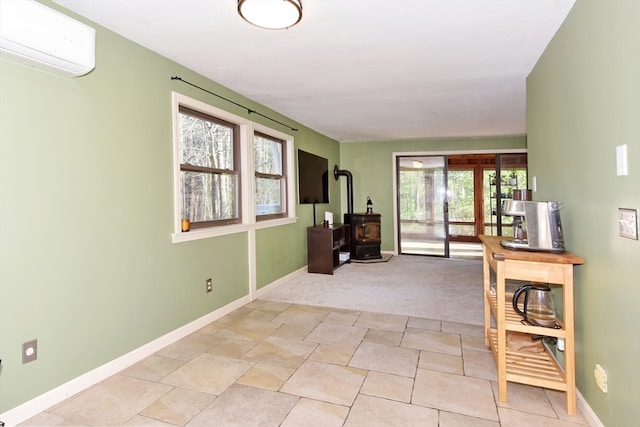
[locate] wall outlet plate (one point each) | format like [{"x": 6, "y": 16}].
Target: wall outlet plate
[
  {"x": 29, "y": 351},
  {"x": 601, "y": 378},
  {"x": 628, "y": 223}
]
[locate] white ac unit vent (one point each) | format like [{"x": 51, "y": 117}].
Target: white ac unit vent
[{"x": 34, "y": 34}]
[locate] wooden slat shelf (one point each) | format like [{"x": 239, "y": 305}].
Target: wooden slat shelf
[
  {"x": 513, "y": 321},
  {"x": 537, "y": 369}
]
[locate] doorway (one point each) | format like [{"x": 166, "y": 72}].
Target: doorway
[
  {"x": 444, "y": 202},
  {"x": 421, "y": 193}
]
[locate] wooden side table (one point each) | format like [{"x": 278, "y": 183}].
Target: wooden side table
[{"x": 537, "y": 369}]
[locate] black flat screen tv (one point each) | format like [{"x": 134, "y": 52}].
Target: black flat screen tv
[{"x": 313, "y": 178}]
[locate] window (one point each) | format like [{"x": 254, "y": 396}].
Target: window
[
  {"x": 230, "y": 174},
  {"x": 209, "y": 169},
  {"x": 270, "y": 176}
]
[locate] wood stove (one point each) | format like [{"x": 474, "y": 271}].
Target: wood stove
[
  {"x": 365, "y": 227},
  {"x": 365, "y": 235}
]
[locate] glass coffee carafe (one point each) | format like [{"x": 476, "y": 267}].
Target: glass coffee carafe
[{"x": 538, "y": 308}]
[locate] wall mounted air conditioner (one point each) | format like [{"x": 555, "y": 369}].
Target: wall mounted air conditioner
[{"x": 34, "y": 34}]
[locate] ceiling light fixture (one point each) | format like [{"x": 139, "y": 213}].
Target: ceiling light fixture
[{"x": 271, "y": 14}]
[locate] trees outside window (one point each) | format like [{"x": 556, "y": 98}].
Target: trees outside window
[
  {"x": 230, "y": 174},
  {"x": 209, "y": 169},
  {"x": 270, "y": 176}
]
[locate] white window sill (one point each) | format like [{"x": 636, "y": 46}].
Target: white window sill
[{"x": 205, "y": 233}]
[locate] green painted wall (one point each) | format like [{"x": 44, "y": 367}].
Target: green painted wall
[
  {"x": 583, "y": 100},
  {"x": 371, "y": 164},
  {"x": 86, "y": 261}
]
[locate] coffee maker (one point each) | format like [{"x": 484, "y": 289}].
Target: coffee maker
[{"x": 537, "y": 226}]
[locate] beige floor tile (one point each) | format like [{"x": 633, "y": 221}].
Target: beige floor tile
[
  {"x": 153, "y": 368},
  {"x": 139, "y": 420},
  {"x": 243, "y": 406},
  {"x": 333, "y": 354},
  {"x": 234, "y": 348},
  {"x": 113, "y": 401},
  {"x": 512, "y": 418},
  {"x": 450, "y": 419},
  {"x": 480, "y": 364},
  {"x": 235, "y": 315},
  {"x": 438, "y": 342},
  {"x": 370, "y": 411},
  {"x": 381, "y": 336},
  {"x": 248, "y": 329},
  {"x": 463, "y": 329},
  {"x": 421, "y": 323},
  {"x": 473, "y": 343},
  {"x": 313, "y": 413},
  {"x": 265, "y": 376},
  {"x": 325, "y": 382},
  {"x": 387, "y": 322},
  {"x": 303, "y": 315},
  {"x": 385, "y": 358},
  {"x": 441, "y": 362},
  {"x": 43, "y": 419},
  {"x": 558, "y": 401},
  {"x": 279, "y": 364},
  {"x": 208, "y": 373},
  {"x": 343, "y": 317},
  {"x": 212, "y": 328},
  {"x": 526, "y": 399},
  {"x": 178, "y": 406},
  {"x": 388, "y": 386},
  {"x": 454, "y": 393},
  {"x": 260, "y": 314},
  {"x": 292, "y": 331},
  {"x": 280, "y": 352},
  {"x": 337, "y": 335},
  {"x": 268, "y": 305},
  {"x": 188, "y": 347}
]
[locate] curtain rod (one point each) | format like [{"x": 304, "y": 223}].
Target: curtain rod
[{"x": 249, "y": 110}]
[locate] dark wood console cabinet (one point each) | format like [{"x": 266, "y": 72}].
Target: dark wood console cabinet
[{"x": 328, "y": 247}]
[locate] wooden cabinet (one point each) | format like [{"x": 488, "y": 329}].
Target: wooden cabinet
[
  {"x": 327, "y": 247},
  {"x": 521, "y": 366}
]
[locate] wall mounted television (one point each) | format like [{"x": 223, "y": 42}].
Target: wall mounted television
[{"x": 313, "y": 178}]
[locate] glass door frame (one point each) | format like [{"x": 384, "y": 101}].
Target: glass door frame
[
  {"x": 395, "y": 198},
  {"x": 435, "y": 245}
]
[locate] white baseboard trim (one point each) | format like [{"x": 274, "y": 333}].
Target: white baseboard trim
[
  {"x": 280, "y": 281},
  {"x": 41, "y": 403},
  {"x": 587, "y": 412}
]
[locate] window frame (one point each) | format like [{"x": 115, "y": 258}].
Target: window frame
[
  {"x": 246, "y": 178},
  {"x": 282, "y": 177},
  {"x": 236, "y": 167}
]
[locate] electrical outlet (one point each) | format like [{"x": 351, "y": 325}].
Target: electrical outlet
[
  {"x": 601, "y": 378},
  {"x": 209, "y": 285},
  {"x": 29, "y": 351}
]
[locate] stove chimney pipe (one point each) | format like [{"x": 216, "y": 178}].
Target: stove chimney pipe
[{"x": 337, "y": 173}]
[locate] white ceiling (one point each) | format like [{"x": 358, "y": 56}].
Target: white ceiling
[{"x": 359, "y": 70}]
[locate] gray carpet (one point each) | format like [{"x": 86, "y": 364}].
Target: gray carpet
[{"x": 432, "y": 288}]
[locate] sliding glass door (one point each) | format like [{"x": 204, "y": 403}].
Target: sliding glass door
[
  {"x": 423, "y": 225},
  {"x": 445, "y": 202}
]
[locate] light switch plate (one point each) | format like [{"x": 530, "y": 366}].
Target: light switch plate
[{"x": 628, "y": 223}]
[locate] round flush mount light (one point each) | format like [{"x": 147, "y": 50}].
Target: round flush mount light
[{"x": 271, "y": 14}]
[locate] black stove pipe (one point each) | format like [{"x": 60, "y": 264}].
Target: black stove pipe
[{"x": 338, "y": 173}]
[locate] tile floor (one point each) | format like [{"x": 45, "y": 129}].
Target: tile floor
[{"x": 280, "y": 364}]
